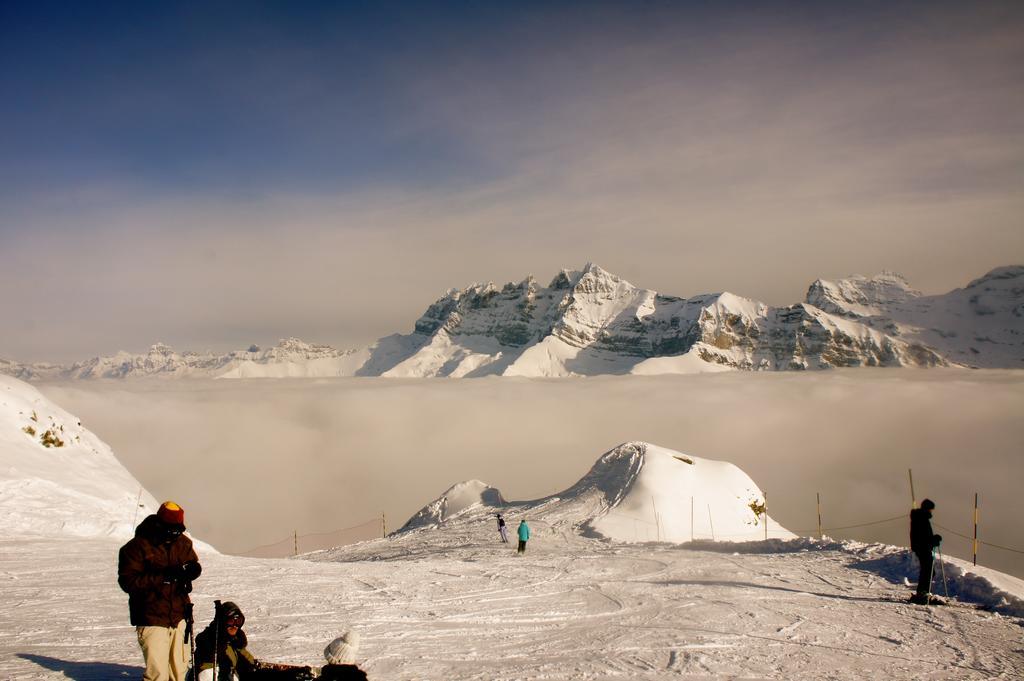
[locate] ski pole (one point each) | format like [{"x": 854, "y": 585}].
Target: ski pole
[
  {"x": 191, "y": 634},
  {"x": 942, "y": 566},
  {"x": 216, "y": 632},
  {"x": 931, "y": 577}
]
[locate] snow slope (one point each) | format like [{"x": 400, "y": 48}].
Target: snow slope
[
  {"x": 637, "y": 492},
  {"x": 444, "y": 599},
  {"x": 454, "y": 603},
  {"x": 69, "y": 484}
]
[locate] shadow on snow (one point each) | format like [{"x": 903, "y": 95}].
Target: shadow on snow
[{"x": 85, "y": 671}]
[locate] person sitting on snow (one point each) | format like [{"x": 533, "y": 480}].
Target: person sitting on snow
[
  {"x": 223, "y": 644},
  {"x": 341, "y": 659}
]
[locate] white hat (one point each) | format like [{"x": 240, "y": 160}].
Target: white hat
[{"x": 342, "y": 650}]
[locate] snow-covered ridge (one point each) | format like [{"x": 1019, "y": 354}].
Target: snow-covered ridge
[
  {"x": 591, "y": 322},
  {"x": 290, "y": 357},
  {"x": 635, "y": 492},
  {"x": 979, "y": 325},
  {"x": 457, "y": 499},
  {"x": 56, "y": 477}
]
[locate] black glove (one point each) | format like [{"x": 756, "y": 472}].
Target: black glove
[
  {"x": 174, "y": 574},
  {"x": 936, "y": 540},
  {"x": 181, "y": 574},
  {"x": 192, "y": 569}
]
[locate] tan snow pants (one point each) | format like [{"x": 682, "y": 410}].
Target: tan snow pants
[{"x": 163, "y": 648}]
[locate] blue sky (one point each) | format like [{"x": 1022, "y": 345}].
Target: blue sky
[
  {"x": 222, "y": 97},
  {"x": 215, "y": 174}
]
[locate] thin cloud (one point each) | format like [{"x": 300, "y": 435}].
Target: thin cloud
[
  {"x": 255, "y": 460},
  {"x": 687, "y": 151}
]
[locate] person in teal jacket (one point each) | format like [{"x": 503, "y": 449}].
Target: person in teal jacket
[{"x": 524, "y": 535}]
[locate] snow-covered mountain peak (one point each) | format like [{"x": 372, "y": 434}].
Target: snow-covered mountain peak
[
  {"x": 457, "y": 499},
  {"x": 1010, "y": 277},
  {"x": 860, "y": 296},
  {"x": 295, "y": 348},
  {"x": 593, "y": 279},
  {"x": 590, "y": 321},
  {"x": 979, "y": 325}
]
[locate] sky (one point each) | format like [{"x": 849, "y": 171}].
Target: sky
[{"x": 212, "y": 175}]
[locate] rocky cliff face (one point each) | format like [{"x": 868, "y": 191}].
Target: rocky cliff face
[
  {"x": 979, "y": 325},
  {"x": 591, "y": 321}
]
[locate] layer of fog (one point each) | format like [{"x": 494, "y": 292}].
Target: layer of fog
[{"x": 254, "y": 461}]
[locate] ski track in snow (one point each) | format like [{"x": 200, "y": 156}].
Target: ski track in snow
[{"x": 440, "y": 604}]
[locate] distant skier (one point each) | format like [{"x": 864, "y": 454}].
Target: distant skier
[
  {"x": 524, "y": 536},
  {"x": 156, "y": 569},
  {"x": 502, "y": 530},
  {"x": 224, "y": 645},
  {"x": 341, "y": 659},
  {"x": 923, "y": 543}
]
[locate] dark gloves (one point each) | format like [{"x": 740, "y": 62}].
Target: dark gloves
[
  {"x": 192, "y": 569},
  {"x": 936, "y": 540},
  {"x": 270, "y": 671},
  {"x": 182, "y": 573},
  {"x": 173, "y": 573}
]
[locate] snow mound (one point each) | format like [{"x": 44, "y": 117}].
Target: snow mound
[
  {"x": 985, "y": 587},
  {"x": 461, "y": 497},
  {"x": 56, "y": 477},
  {"x": 637, "y": 492},
  {"x": 656, "y": 494}
]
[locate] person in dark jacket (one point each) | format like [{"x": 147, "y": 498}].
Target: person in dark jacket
[
  {"x": 156, "y": 569},
  {"x": 341, "y": 659},
  {"x": 923, "y": 542},
  {"x": 502, "y": 530},
  {"x": 224, "y": 645}
]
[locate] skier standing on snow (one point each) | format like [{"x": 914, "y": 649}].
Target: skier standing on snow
[
  {"x": 524, "y": 535},
  {"x": 156, "y": 569},
  {"x": 923, "y": 543},
  {"x": 502, "y": 530}
]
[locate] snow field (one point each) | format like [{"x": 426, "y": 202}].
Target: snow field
[
  {"x": 449, "y": 601},
  {"x": 455, "y": 603}
]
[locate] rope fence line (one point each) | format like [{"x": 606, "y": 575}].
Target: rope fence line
[
  {"x": 801, "y": 533},
  {"x": 985, "y": 543},
  {"x": 850, "y": 527},
  {"x": 810, "y": 533},
  {"x": 293, "y": 541},
  {"x": 377, "y": 522}
]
